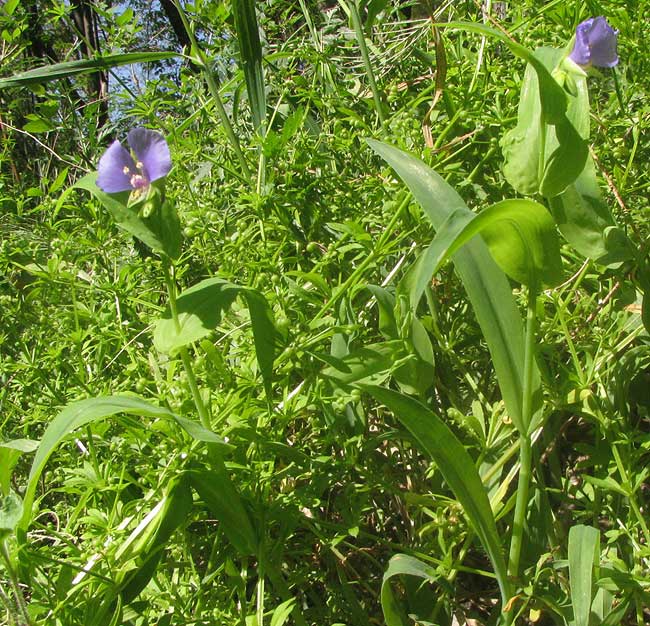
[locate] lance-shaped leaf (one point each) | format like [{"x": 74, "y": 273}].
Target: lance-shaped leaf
[
  {"x": 545, "y": 152},
  {"x": 402, "y": 565},
  {"x": 435, "y": 438},
  {"x": 486, "y": 285},
  {"x": 544, "y": 156},
  {"x": 586, "y": 222},
  {"x": 222, "y": 498},
  {"x": 250, "y": 52},
  {"x": 84, "y": 412},
  {"x": 584, "y": 550},
  {"x": 56, "y": 71}
]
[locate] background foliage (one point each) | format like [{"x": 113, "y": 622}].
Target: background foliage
[{"x": 321, "y": 484}]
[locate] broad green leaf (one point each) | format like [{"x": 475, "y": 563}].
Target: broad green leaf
[
  {"x": 584, "y": 551},
  {"x": 161, "y": 230},
  {"x": 90, "y": 410},
  {"x": 553, "y": 97},
  {"x": 10, "y": 6},
  {"x": 85, "y": 66},
  {"x": 11, "y": 510},
  {"x": 486, "y": 285},
  {"x": 564, "y": 149},
  {"x": 222, "y": 498},
  {"x": 251, "y": 54},
  {"x": 520, "y": 234},
  {"x": 20, "y": 445},
  {"x": 282, "y": 612},
  {"x": 583, "y": 217},
  {"x": 543, "y": 108},
  {"x": 37, "y": 124},
  {"x": 199, "y": 311},
  {"x": 401, "y": 565},
  {"x": 436, "y": 439},
  {"x": 175, "y": 510}
]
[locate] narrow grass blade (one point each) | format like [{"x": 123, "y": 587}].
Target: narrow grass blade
[
  {"x": 251, "y": 54},
  {"x": 486, "y": 285},
  {"x": 56, "y": 71},
  {"x": 436, "y": 439}
]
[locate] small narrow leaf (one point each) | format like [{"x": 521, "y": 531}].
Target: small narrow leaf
[
  {"x": 282, "y": 612},
  {"x": 71, "y": 68}
]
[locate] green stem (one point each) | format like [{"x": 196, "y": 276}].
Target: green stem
[
  {"x": 525, "y": 446},
  {"x": 214, "y": 91},
  {"x": 630, "y": 494},
  {"x": 363, "y": 48},
  {"x": 201, "y": 409}
]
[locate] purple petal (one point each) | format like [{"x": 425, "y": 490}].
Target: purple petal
[
  {"x": 602, "y": 38},
  {"x": 152, "y": 151},
  {"x": 111, "y": 176},
  {"x": 581, "y": 54},
  {"x": 595, "y": 43}
]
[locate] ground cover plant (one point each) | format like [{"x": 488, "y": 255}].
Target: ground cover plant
[{"x": 324, "y": 313}]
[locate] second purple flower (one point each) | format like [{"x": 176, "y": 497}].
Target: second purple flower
[{"x": 595, "y": 43}]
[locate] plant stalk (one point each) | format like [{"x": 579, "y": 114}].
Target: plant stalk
[
  {"x": 363, "y": 48},
  {"x": 201, "y": 409},
  {"x": 525, "y": 444},
  {"x": 21, "y": 607}
]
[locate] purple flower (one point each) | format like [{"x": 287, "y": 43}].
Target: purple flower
[
  {"x": 119, "y": 171},
  {"x": 595, "y": 43}
]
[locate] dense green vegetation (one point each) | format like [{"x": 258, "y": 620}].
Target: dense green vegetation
[{"x": 338, "y": 423}]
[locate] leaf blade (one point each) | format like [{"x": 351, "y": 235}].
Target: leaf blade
[
  {"x": 486, "y": 285},
  {"x": 456, "y": 465}
]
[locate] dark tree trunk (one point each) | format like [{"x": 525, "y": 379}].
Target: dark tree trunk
[
  {"x": 178, "y": 27},
  {"x": 39, "y": 47},
  {"x": 85, "y": 21},
  {"x": 176, "y": 23}
]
